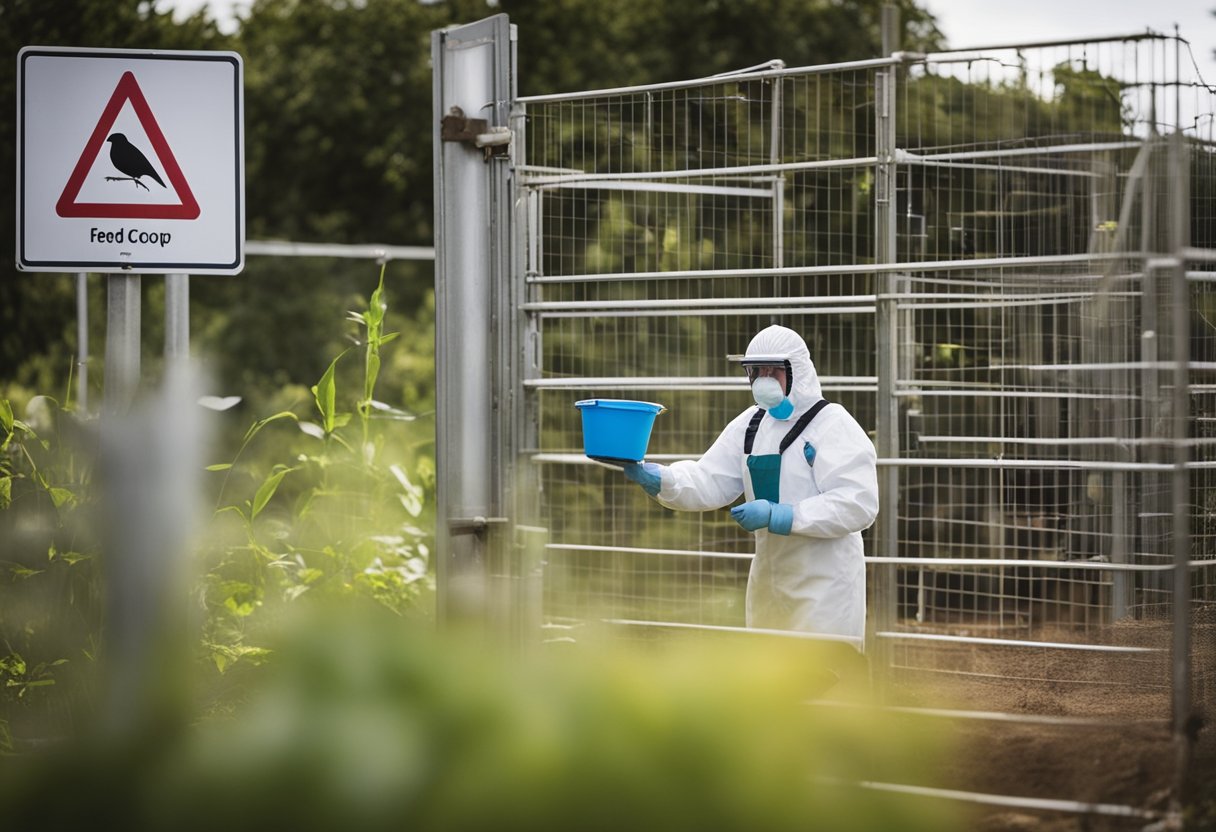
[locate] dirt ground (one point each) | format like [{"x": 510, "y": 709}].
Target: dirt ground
[{"x": 1123, "y": 754}]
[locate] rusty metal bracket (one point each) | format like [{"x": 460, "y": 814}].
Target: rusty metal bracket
[{"x": 457, "y": 127}]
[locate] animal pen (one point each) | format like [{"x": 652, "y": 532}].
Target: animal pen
[{"x": 1001, "y": 260}]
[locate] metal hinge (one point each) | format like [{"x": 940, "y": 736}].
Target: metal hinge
[
  {"x": 457, "y": 127},
  {"x": 473, "y": 525}
]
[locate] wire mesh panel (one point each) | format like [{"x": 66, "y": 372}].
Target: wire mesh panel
[{"x": 1009, "y": 228}]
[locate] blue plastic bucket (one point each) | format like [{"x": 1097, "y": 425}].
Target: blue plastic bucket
[{"x": 617, "y": 430}]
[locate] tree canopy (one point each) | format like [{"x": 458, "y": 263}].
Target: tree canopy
[{"x": 338, "y": 128}]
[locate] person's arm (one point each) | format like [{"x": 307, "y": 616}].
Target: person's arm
[
  {"x": 713, "y": 481},
  {"x": 845, "y": 468}
]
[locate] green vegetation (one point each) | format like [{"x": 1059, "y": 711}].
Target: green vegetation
[{"x": 328, "y": 499}]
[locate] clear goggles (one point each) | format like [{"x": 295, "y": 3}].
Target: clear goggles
[{"x": 757, "y": 366}]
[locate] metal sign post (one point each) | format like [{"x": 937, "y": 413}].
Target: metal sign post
[{"x": 132, "y": 163}]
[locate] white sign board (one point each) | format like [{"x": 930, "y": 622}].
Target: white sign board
[{"x": 130, "y": 161}]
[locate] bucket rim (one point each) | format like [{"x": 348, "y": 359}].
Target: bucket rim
[{"x": 620, "y": 404}]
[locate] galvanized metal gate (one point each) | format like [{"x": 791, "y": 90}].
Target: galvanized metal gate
[{"x": 998, "y": 258}]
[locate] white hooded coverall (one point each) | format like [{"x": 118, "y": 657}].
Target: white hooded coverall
[{"x": 813, "y": 579}]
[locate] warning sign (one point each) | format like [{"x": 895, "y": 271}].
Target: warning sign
[
  {"x": 130, "y": 161},
  {"x": 127, "y": 159}
]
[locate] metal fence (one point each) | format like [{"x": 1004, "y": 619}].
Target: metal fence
[{"x": 999, "y": 259}]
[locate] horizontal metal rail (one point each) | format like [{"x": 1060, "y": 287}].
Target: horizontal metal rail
[
  {"x": 653, "y": 187},
  {"x": 901, "y": 157},
  {"x": 1207, "y": 255},
  {"x": 1039, "y": 803},
  {"x": 1003, "y": 563},
  {"x": 974, "y": 563},
  {"x": 685, "y": 303},
  {"x": 863, "y": 268},
  {"x": 1101, "y": 441},
  {"x": 583, "y": 95},
  {"x": 992, "y": 716},
  {"x": 829, "y": 383},
  {"x": 1042, "y": 44},
  {"x": 1109, "y": 682},
  {"x": 936, "y": 163},
  {"x": 658, "y": 310},
  {"x": 993, "y": 393},
  {"x": 634, "y": 550},
  {"x": 371, "y": 251},
  {"x": 1031, "y": 464},
  {"x": 721, "y": 628},
  {"x": 1013, "y": 642},
  {"x": 909, "y": 157},
  {"x": 730, "y": 171},
  {"x": 925, "y": 462}
]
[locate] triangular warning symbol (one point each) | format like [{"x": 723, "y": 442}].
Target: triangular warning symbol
[{"x": 67, "y": 206}]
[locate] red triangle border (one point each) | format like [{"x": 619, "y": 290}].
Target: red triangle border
[{"x": 67, "y": 206}]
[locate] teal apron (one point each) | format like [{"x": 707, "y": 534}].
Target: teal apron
[{"x": 765, "y": 469}]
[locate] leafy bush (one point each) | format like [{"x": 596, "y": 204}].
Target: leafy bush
[
  {"x": 336, "y": 506},
  {"x": 343, "y": 513},
  {"x": 49, "y": 592},
  {"x": 362, "y": 723}
]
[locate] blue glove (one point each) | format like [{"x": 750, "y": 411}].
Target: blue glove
[
  {"x": 648, "y": 475},
  {"x": 808, "y": 451},
  {"x": 759, "y": 514}
]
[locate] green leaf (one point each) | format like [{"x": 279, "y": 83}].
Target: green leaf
[
  {"x": 325, "y": 394},
  {"x": 267, "y": 489},
  {"x": 6, "y": 491},
  {"x": 6, "y": 416},
  {"x": 376, "y": 306},
  {"x": 310, "y": 574},
  {"x": 223, "y": 466},
  {"x": 240, "y": 609},
  {"x": 61, "y": 496},
  {"x": 258, "y": 425},
  {"x": 236, "y": 509},
  {"x": 24, "y": 572},
  {"x": 371, "y": 373}
]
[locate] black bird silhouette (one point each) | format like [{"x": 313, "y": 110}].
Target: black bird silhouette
[{"x": 130, "y": 160}]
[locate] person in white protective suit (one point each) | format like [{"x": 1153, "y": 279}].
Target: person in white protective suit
[{"x": 808, "y": 474}]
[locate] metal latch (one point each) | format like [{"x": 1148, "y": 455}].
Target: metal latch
[
  {"x": 457, "y": 127},
  {"x": 472, "y": 525}
]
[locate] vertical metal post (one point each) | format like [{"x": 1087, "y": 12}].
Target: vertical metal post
[
  {"x": 122, "y": 342},
  {"x": 1179, "y": 183},
  {"x": 774, "y": 157},
  {"x": 473, "y": 71},
  {"x": 177, "y": 317},
  {"x": 82, "y": 344},
  {"x": 887, "y": 336}
]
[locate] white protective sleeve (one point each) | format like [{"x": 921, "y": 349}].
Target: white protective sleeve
[
  {"x": 713, "y": 481},
  {"x": 847, "y": 479}
]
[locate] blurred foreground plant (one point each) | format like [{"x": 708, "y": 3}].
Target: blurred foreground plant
[
  {"x": 363, "y": 722},
  {"x": 49, "y": 592},
  {"x": 341, "y": 514}
]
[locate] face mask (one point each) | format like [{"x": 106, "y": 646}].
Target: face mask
[{"x": 767, "y": 392}]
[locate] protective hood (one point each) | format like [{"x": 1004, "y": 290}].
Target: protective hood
[{"x": 782, "y": 341}]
